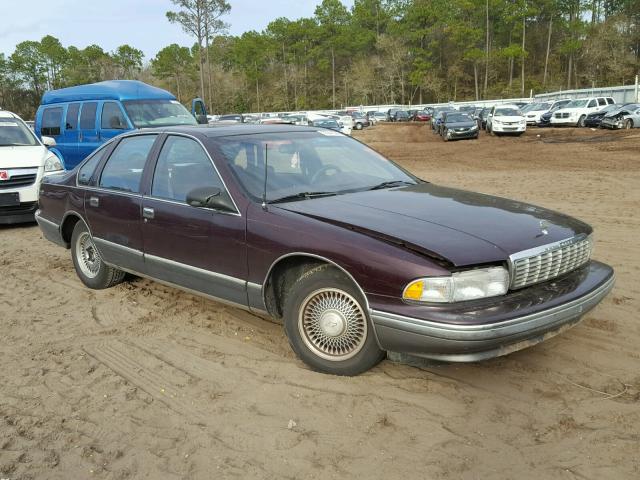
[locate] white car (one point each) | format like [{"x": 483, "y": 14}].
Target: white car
[
  {"x": 24, "y": 160},
  {"x": 346, "y": 123},
  {"x": 575, "y": 112},
  {"x": 506, "y": 119},
  {"x": 535, "y": 111}
]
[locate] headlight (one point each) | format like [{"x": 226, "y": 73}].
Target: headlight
[
  {"x": 475, "y": 127},
  {"x": 52, "y": 164},
  {"x": 495, "y": 120},
  {"x": 460, "y": 286},
  {"x": 523, "y": 121}
]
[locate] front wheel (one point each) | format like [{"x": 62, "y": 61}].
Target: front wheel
[
  {"x": 358, "y": 126},
  {"x": 583, "y": 118},
  {"x": 326, "y": 321},
  {"x": 628, "y": 124},
  {"x": 90, "y": 267}
]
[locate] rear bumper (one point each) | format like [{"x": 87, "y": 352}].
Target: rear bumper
[
  {"x": 50, "y": 230},
  {"x": 23, "y": 213},
  {"x": 479, "y": 341}
]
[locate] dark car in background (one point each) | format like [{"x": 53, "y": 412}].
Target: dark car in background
[
  {"x": 458, "y": 125},
  {"x": 329, "y": 123},
  {"x": 594, "y": 119},
  {"x": 545, "y": 118},
  {"x": 400, "y": 116},
  {"x": 481, "y": 117},
  {"x": 355, "y": 255},
  {"x": 436, "y": 118}
]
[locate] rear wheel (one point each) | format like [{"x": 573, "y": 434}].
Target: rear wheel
[
  {"x": 358, "y": 126},
  {"x": 90, "y": 267},
  {"x": 326, "y": 321}
]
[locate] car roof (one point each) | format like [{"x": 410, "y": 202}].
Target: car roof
[
  {"x": 7, "y": 114},
  {"x": 121, "y": 90},
  {"x": 220, "y": 131},
  {"x": 509, "y": 105}
]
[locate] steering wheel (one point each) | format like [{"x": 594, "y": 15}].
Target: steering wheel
[{"x": 323, "y": 171}]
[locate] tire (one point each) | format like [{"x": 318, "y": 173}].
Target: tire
[
  {"x": 93, "y": 272},
  {"x": 489, "y": 131},
  {"x": 581, "y": 121},
  {"x": 444, "y": 136},
  {"x": 628, "y": 124},
  {"x": 325, "y": 294},
  {"x": 358, "y": 126}
]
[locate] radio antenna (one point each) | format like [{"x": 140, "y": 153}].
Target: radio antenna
[{"x": 266, "y": 158}]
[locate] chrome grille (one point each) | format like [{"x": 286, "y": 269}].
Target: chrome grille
[
  {"x": 18, "y": 181},
  {"x": 550, "y": 261}
]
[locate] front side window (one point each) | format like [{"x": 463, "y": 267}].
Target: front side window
[
  {"x": 158, "y": 113},
  {"x": 124, "y": 168},
  {"x": 14, "y": 133},
  {"x": 592, "y": 104},
  {"x": 51, "y": 120},
  {"x": 72, "y": 116},
  {"x": 112, "y": 117},
  {"x": 88, "y": 116},
  {"x": 299, "y": 162},
  {"x": 182, "y": 166}
]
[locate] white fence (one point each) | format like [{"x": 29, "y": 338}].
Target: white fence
[{"x": 622, "y": 94}]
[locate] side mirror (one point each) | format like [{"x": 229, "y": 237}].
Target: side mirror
[
  {"x": 202, "y": 119},
  {"x": 49, "y": 142},
  {"x": 210, "y": 197}
]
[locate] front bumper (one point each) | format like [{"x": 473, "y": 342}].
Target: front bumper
[
  {"x": 503, "y": 128},
  {"x": 23, "y": 213},
  {"x": 529, "y": 317},
  {"x": 612, "y": 125},
  {"x": 564, "y": 121},
  {"x": 460, "y": 135}
]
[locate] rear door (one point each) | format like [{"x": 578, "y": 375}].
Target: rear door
[
  {"x": 113, "y": 206},
  {"x": 196, "y": 248},
  {"x": 88, "y": 139}
]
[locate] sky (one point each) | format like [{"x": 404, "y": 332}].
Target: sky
[{"x": 139, "y": 23}]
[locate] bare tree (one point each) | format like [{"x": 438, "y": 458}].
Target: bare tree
[{"x": 201, "y": 19}]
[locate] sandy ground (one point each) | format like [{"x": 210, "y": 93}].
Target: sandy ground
[{"x": 143, "y": 381}]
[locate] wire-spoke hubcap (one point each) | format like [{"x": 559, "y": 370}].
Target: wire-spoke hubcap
[
  {"x": 88, "y": 256},
  {"x": 332, "y": 324}
]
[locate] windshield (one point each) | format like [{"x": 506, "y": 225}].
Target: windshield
[
  {"x": 507, "y": 112},
  {"x": 576, "y": 104},
  {"x": 158, "y": 113},
  {"x": 14, "y": 133},
  {"x": 458, "y": 117},
  {"x": 299, "y": 162},
  {"x": 326, "y": 124}
]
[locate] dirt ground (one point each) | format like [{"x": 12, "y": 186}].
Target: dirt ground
[{"x": 144, "y": 381}]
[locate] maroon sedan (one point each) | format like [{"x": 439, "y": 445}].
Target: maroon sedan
[{"x": 353, "y": 253}]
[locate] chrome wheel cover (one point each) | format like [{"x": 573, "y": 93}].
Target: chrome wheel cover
[
  {"x": 332, "y": 324},
  {"x": 88, "y": 256}
]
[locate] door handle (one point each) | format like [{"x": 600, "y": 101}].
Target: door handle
[
  {"x": 148, "y": 212},
  {"x": 94, "y": 201}
]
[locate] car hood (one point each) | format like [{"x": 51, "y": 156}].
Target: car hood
[
  {"x": 460, "y": 227},
  {"x": 509, "y": 118},
  {"x": 23, "y": 157}
]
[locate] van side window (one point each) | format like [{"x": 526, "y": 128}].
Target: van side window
[
  {"x": 51, "y": 120},
  {"x": 112, "y": 117},
  {"x": 123, "y": 170},
  {"x": 88, "y": 116},
  {"x": 86, "y": 171},
  {"x": 72, "y": 116}
]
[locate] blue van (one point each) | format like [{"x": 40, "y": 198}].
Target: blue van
[{"x": 81, "y": 118}]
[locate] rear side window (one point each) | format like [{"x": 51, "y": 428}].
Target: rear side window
[
  {"x": 86, "y": 171},
  {"x": 183, "y": 166},
  {"x": 51, "y": 120},
  {"x": 610, "y": 101},
  {"x": 112, "y": 117},
  {"x": 72, "y": 116},
  {"x": 88, "y": 116},
  {"x": 123, "y": 170},
  {"x": 602, "y": 101}
]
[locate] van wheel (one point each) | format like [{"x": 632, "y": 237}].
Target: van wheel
[
  {"x": 327, "y": 324},
  {"x": 93, "y": 272}
]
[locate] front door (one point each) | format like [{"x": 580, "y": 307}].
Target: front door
[
  {"x": 196, "y": 248},
  {"x": 113, "y": 206},
  {"x": 112, "y": 121}
]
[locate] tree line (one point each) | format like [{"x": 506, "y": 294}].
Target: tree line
[{"x": 376, "y": 52}]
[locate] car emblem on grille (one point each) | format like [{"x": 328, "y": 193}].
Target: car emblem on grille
[
  {"x": 4, "y": 175},
  {"x": 544, "y": 227}
]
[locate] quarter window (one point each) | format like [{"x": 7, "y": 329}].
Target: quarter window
[
  {"x": 183, "y": 166},
  {"x": 112, "y": 117},
  {"x": 86, "y": 171},
  {"x": 124, "y": 168},
  {"x": 72, "y": 116},
  {"x": 88, "y": 116},
  {"x": 610, "y": 101},
  {"x": 51, "y": 120}
]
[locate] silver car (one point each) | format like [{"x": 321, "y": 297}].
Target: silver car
[{"x": 627, "y": 117}]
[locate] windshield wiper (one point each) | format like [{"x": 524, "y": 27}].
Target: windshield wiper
[
  {"x": 302, "y": 196},
  {"x": 393, "y": 183}
]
